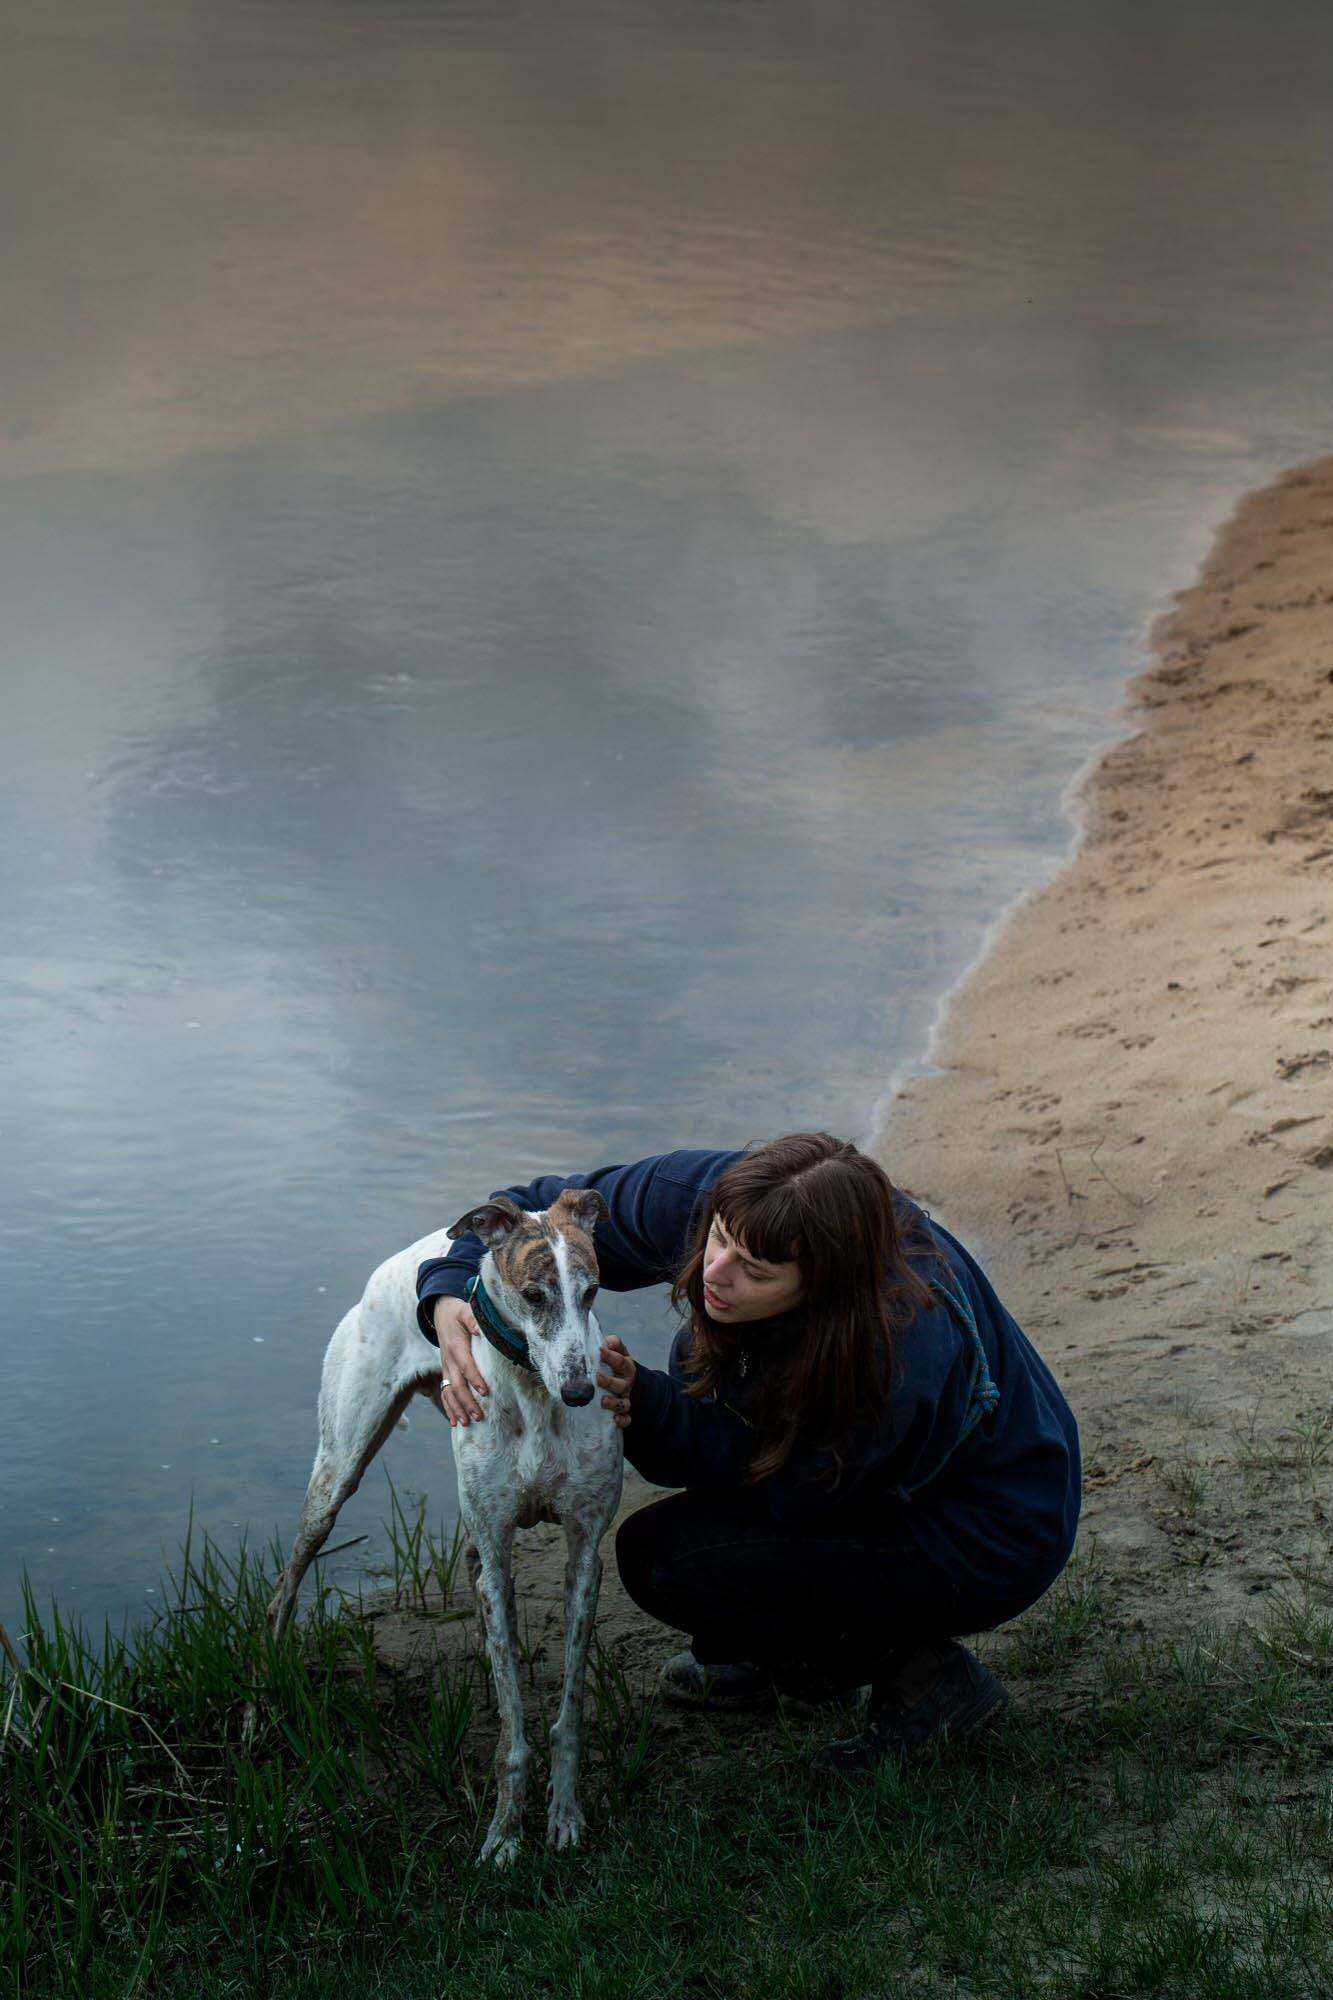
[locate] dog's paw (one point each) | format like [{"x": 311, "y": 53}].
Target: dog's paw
[
  {"x": 565, "y": 1825},
  {"x": 500, "y": 1848}
]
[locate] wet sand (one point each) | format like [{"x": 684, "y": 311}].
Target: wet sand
[{"x": 1130, "y": 1111}]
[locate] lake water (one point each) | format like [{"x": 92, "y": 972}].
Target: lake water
[{"x": 556, "y": 565}]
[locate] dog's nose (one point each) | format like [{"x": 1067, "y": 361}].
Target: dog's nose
[{"x": 578, "y": 1394}]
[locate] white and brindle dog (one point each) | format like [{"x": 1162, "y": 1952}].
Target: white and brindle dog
[{"x": 547, "y": 1451}]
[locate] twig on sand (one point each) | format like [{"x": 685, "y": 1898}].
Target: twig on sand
[
  {"x": 1139, "y": 1200},
  {"x": 1225, "y": 1665},
  {"x": 1071, "y": 1194},
  {"x": 1309, "y": 1661}
]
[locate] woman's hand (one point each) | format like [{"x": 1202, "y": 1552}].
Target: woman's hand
[
  {"x": 616, "y": 1376},
  {"x": 464, "y": 1382}
]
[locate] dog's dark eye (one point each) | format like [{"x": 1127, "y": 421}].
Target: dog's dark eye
[
  {"x": 533, "y": 1294},
  {"x": 590, "y": 1295}
]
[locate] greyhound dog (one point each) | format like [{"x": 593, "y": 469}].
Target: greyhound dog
[{"x": 547, "y": 1451}]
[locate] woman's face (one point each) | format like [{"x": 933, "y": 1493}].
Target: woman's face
[{"x": 739, "y": 1287}]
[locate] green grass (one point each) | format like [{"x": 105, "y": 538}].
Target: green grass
[
  {"x": 1304, "y": 1447},
  {"x": 1185, "y": 1479},
  {"x": 1158, "y": 1820}
]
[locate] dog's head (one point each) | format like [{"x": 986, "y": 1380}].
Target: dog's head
[{"x": 542, "y": 1275}]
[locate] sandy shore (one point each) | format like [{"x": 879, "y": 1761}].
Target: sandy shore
[{"x": 1131, "y": 1114}]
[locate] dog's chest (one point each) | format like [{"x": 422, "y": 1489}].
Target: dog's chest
[{"x": 538, "y": 1462}]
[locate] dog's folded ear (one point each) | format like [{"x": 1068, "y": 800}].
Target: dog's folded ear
[
  {"x": 492, "y": 1221},
  {"x": 584, "y": 1207}
]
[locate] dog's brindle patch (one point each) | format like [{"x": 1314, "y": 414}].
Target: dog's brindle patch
[
  {"x": 528, "y": 1257},
  {"x": 526, "y": 1252}
]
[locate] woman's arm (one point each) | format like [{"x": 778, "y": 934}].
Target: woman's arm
[
  {"x": 641, "y": 1241},
  {"x": 463, "y": 1384},
  {"x": 676, "y": 1439}
]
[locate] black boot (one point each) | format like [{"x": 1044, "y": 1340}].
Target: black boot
[{"x": 941, "y": 1691}]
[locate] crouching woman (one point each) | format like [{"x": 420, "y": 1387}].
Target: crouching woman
[{"x": 874, "y": 1458}]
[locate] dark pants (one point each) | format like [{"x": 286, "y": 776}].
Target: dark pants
[{"x": 820, "y": 1610}]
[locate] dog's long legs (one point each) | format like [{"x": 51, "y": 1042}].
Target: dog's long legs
[
  {"x": 583, "y": 1577},
  {"x": 492, "y": 1579},
  {"x": 358, "y": 1408},
  {"x": 336, "y": 1476}
]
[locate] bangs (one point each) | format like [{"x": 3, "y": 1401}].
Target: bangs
[{"x": 765, "y": 1223}]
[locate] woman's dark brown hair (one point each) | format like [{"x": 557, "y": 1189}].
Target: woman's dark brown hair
[{"x": 816, "y": 1200}]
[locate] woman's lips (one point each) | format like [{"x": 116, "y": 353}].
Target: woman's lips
[{"x": 711, "y": 1299}]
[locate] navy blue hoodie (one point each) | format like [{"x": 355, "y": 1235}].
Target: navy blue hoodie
[{"x": 978, "y": 1445}]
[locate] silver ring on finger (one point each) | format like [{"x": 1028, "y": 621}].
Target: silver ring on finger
[{"x": 445, "y": 1383}]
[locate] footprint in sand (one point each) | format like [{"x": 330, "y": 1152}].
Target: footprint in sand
[{"x": 1290, "y": 1066}]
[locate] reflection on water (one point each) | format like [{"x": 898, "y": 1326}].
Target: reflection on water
[{"x": 555, "y": 569}]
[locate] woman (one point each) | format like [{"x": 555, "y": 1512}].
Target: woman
[{"x": 874, "y": 1457}]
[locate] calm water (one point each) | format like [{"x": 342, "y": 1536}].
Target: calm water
[{"x": 556, "y": 564}]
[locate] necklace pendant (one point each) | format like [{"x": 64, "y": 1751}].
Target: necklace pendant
[{"x": 744, "y": 1364}]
